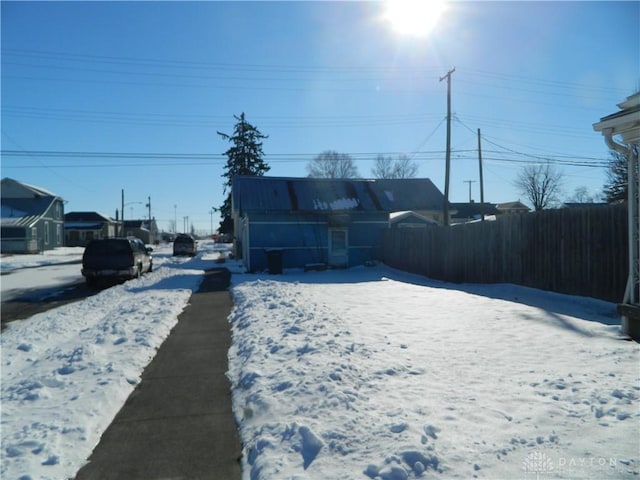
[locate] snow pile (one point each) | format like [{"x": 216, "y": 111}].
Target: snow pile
[
  {"x": 68, "y": 371},
  {"x": 351, "y": 374}
]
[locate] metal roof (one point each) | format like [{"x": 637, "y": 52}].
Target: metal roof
[
  {"x": 18, "y": 189},
  {"x": 289, "y": 194},
  {"x": 87, "y": 217},
  {"x": 24, "y": 212},
  {"x": 468, "y": 210}
]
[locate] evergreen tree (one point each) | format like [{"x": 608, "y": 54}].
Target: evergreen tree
[
  {"x": 244, "y": 157},
  {"x": 617, "y": 186}
]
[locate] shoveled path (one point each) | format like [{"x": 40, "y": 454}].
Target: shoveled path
[{"x": 178, "y": 423}]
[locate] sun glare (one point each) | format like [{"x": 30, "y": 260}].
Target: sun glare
[{"x": 413, "y": 17}]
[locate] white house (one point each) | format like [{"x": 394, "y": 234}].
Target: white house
[{"x": 624, "y": 125}]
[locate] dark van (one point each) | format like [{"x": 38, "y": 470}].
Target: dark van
[
  {"x": 185, "y": 245},
  {"x": 115, "y": 259}
]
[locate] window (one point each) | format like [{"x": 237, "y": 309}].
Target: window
[
  {"x": 59, "y": 234},
  {"x": 46, "y": 233}
]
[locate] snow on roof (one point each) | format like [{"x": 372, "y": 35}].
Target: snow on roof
[{"x": 291, "y": 194}]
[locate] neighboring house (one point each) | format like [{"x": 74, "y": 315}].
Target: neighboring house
[
  {"x": 320, "y": 221},
  {"x": 410, "y": 219},
  {"x": 621, "y": 131},
  {"x": 141, "y": 229},
  {"x": 469, "y": 212},
  {"x": 510, "y": 208},
  {"x": 32, "y": 218},
  {"x": 583, "y": 204},
  {"x": 82, "y": 227}
]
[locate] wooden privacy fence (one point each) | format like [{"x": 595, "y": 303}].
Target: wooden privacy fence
[{"x": 581, "y": 251}]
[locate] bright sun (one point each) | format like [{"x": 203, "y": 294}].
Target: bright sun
[{"x": 413, "y": 17}]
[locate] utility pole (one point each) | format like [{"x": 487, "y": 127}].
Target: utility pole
[
  {"x": 148, "y": 205},
  {"x": 122, "y": 212},
  {"x": 211, "y": 213},
  {"x": 445, "y": 206},
  {"x": 469, "y": 182},
  {"x": 481, "y": 179}
]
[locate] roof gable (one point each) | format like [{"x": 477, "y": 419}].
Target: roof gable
[
  {"x": 513, "y": 206},
  {"x": 14, "y": 189},
  {"x": 86, "y": 217},
  {"x": 469, "y": 210},
  {"x": 260, "y": 193}
]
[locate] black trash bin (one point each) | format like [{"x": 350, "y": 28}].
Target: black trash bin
[{"x": 274, "y": 260}]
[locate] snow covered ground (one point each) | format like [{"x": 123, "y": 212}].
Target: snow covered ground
[
  {"x": 360, "y": 373},
  {"x": 51, "y": 268}
]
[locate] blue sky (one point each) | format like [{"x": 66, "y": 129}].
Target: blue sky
[{"x": 129, "y": 95}]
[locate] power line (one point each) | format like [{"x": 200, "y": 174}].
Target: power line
[
  {"x": 168, "y": 159},
  {"x": 155, "y": 67},
  {"x": 203, "y": 120}
]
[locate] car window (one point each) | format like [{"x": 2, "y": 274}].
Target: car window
[{"x": 108, "y": 247}]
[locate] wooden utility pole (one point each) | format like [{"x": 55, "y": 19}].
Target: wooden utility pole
[
  {"x": 445, "y": 206},
  {"x": 122, "y": 211},
  {"x": 481, "y": 179},
  {"x": 148, "y": 205},
  {"x": 469, "y": 182}
]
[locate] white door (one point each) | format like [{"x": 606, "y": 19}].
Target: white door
[{"x": 338, "y": 247}]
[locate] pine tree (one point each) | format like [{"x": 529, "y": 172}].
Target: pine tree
[
  {"x": 243, "y": 158},
  {"x": 615, "y": 190}
]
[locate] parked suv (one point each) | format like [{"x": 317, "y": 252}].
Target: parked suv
[
  {"x": 115, "y": 259},
  {"x": 185, "y": 245}
]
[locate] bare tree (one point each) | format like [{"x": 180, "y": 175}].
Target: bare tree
[
  {"x": 383, "y": 167},
  {"x": 582, "y": 195},
  {"x": 331, "y": 164},
  {"x": 386, "y": 167},
  {"x": 541, "y": 184},
  {"x": 405, "y": 167}
]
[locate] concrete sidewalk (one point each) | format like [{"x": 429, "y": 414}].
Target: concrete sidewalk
[{"x": 178, "y": 423}]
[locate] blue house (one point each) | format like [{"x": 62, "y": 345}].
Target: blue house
[
  {"x": 82, "y": 227},
  {"x": 321, "y": 221}
]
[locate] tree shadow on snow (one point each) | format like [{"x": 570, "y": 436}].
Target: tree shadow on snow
[{"x": 554, "y": 308}]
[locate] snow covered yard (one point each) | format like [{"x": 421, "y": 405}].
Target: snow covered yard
[
  {"x": 361, "y": 373},
  {"x": 68, "y": 371},
  {"x": 372, "y": 373}
]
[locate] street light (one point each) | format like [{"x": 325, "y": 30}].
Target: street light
[
  {"x": 125, "y": 205},
  {"x": 122, "y": 205}
]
